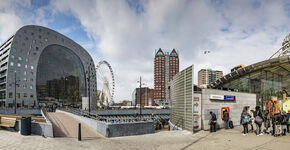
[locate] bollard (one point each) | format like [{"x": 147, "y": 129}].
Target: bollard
[{"x": 80, "y": 133}]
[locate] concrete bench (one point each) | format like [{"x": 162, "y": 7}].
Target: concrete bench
[{"x": 7, "y": 122}]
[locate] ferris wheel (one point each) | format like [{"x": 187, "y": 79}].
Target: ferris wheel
[{"x": 106, "y": 82}]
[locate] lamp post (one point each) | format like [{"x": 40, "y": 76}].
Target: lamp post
[
  {"x": 15, "y": 92},
  {"x": 89, "y": 87},
  {"x": 206, "y": 70},
  {"x": 140, "y": 92}
]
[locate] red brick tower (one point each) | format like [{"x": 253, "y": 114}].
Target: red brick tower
[{"x": 166, "y": 65}]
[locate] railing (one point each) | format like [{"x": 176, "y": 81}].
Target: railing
[
  {"x": 117, "y": 118},
  {"x": 45, "y": 114},
  {"x": 80, "y": 112}
]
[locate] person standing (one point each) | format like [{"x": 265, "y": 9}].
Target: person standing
[
  {"x": 226, "y": 118},
  {"x": 288, "y": 120},
  {"x": 267, "y": 121},
  {"x": 284, "y": 123},
  {"x": 276, "y": 121},
  {"x": 258, "y": 120},
  {"x": 213, "y": 120},
  {"x": 245, "y": 118},
  {"x": 252, "y": 120}
]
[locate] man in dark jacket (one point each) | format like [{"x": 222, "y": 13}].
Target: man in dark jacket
[
  {"x": 226, "y": 118},
  {"x": 258, "y": 120},
  {"x": 212, "y": 122}
]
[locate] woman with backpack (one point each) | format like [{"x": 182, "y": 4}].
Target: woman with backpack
[
  {"x": 258, "y": 120},
  {"x": 245, "y": 118}
]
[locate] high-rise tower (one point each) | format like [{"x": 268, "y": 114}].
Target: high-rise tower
[{"x": 166, "y": 65}]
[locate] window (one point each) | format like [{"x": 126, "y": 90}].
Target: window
[
  {"x": 12, "y": 56},
  {"x": 11, "y": 64},
  {"x": 19, "y": 58},
  {"x": 18, "y": 95},
  {"x": 25, "y": 66},
  {"x": 10, "y": 95},
  {"x": 31, "y": 87},
  {"x": 24, "y": 72},
  {"x": 18, "y": 65},
  {"x": 31, "y": 95},
  {"x": 31, "y": 67},
  {"x": 18, "y": 85},
  {"x": 24, "y": 94}
]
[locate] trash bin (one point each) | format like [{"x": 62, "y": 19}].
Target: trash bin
[{"x": 25, "y": 126}]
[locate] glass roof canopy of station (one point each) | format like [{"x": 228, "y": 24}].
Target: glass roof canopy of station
[{"x": 278, "y": 65}]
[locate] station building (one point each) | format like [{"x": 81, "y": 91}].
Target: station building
[
  {"x": 41, "y": 66},
  {"x": 264, "y": 84},
  {"x": 268, "y": 79},
  {"x": 191, "y": 106}
]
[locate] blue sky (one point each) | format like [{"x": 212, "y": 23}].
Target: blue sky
[{"x": 126, "y": 32}]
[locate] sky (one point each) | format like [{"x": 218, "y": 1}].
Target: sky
[{"x": 126, "y": 32}]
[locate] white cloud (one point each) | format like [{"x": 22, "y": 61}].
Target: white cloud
[
  {"x": 236, "y": 32},
  {"x": 9, "y": 21}
]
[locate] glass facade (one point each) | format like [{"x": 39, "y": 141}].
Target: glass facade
[
  {"x": 60, "y": 76},
  {"x": 264, "y": 83}
]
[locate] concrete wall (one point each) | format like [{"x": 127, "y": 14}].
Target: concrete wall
[
  {"x": 116, "y": 129},
  {"x": 37, "y": 128},
  {"x": 236, "y": 107}
]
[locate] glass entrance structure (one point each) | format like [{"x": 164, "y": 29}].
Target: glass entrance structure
[{"x": 60, "y": 76}]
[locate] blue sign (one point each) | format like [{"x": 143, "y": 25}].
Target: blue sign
[{"x": 229, "y": 97}]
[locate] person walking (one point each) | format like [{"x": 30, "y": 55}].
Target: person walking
[
  {"x": 258, "y": 120},
  {"x": 288, "y": 120},
  {"x": 252, "y": 120},
  {"x": 267, "y": 121},
  {"x": 245, "y": 118},
  {"x": 226, "y": 118},
  {"x": 284, "y": 123},
  {"x": 276, "y": 121},
  {"x": 213, "y": 120}
]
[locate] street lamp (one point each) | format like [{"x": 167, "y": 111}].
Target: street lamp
[
  {"x": 140, "y": 91},
  {"x": 206, "y": 70},
  {"x": 89, "y": 86},
  {"x": 15, "y": 92},
  {"x": 15, "y": 84}
]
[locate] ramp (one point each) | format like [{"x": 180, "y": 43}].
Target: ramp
[{"x": 67, "y": 126}]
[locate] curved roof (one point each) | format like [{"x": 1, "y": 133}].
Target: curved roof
[
  {"x": 278, "y": 65},
  {"x": 26, "y": 47},
  {"x": 286, "y": 39}
]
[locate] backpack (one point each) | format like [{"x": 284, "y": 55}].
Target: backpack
[
  {"x": 245, "y": 118},
  {"x": 258, "y": 120}
]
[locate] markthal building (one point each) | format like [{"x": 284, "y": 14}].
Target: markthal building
[
  {"x": 41, "y": 66},
  {"x": 267, "y": 79}
]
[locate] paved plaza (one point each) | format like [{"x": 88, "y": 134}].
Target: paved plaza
[{"x": 175, "y": 140}]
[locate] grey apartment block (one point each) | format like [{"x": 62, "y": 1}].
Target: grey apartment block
[{"x": 20, "y": 55}]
